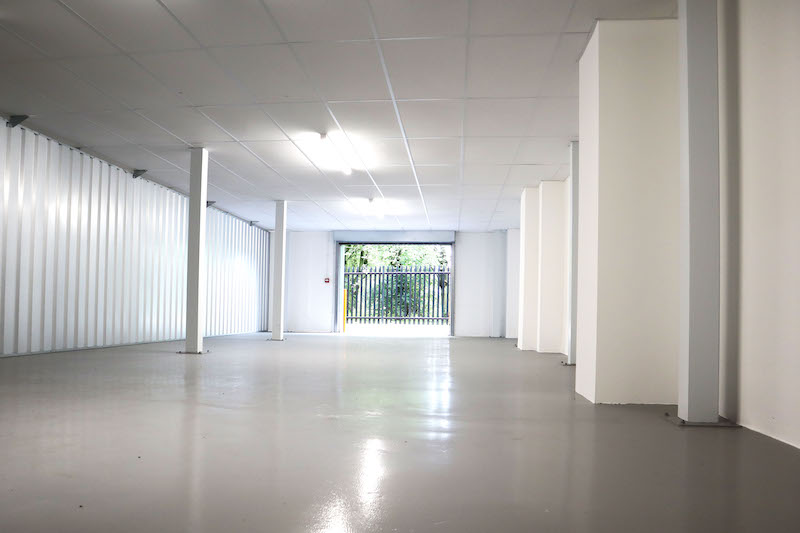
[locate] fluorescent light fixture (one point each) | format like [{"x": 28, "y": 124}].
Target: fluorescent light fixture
[{"x": 336, "y": 151}]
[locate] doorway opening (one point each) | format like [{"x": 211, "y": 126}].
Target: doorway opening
[{"x": 396, "y": 289}]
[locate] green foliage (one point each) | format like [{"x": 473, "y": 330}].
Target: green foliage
[{"x": 361, "y": 256}]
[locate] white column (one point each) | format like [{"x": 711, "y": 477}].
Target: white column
[
  {"x": 196, "y": 268},
  {"x": 528, "y": 270},
  {"x": 550, "y": 335},
  {"x": 698, "y": 366},
  {"x": 573, "y": 253},
  {"x": 279, "y": 270}
]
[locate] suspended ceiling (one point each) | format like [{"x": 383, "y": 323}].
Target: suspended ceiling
[{"x": 453, "y": 106}]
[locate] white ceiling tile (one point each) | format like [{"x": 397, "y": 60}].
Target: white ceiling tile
[
  {"x": 134, "y": 26},
  {"x": 530, "y": 175},
  {"x": 74, "y": 130},
  {"x": 586, "y": 11},
  {"x": 53, "y": 29},
  {"x": 300, "y": 173},
  {"x": 132, "y": 127},
  {"x": 173, "y": 179},
  {"x": 21, "y": 99},
  {"x": 562, "y": 76},
  {"x": 508, "y": 66},
  {"x": 246, "y": 123},
  {"x": 513, "y": 192},
  {"x": 14, "y": 49},
  {"x": 279, "y": 153},
  {"x": 420, "y": 18},
  {"x": 389, "y": 152},
  {"x": 344, "y": 71},
  {"x": 437, "y": 118},
  {"x": 229, "y": 182},
  {"x": 543, "y": 151},
  {"x": 495, "y": 150},
  {"x": 300, "y": 118},
  {"x": 268, "y": 72},
  {"x": 318, "y": 188},
  {"x": 194, "y": 74},
  {"x": 438, "y": 174},
  {"x": 132, "y": 156},
  {"x": 124, "y": 81},
  {"x": 498, "y": 117},
  {"x": 369, "y": 120},
  {"x": 481, "y": 197},
  {"x": 187, "y": 124},
  {"x": 231, "y": 22},
  {"x": 57, "y": 85},
  {"x": 562, "y": 173},
  {"x": 177, "y": 154},
  {"x": 236, "y": 158},
  {"x": 393, "y": 175},
  {"x": 321, "y": 20},
  {"x": 441, "y": 197},
  {"x": 475, "y": 174},
  {"x": 499, "y": 17},
  {"x": 435, "y": 151},
  {"x": 427, "y": 68},
  {"x": 357, "y": 178},
  {"x": 402, "y": 192},
  {"x": 555, "y": 117}
]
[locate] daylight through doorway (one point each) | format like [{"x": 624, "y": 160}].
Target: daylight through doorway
[{"x": 397, "y": 289}]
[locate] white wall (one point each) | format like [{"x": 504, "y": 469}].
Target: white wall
[
  {"x": 310, "y": 258},
  {"x": 91, "y": 257},
  {"x": 628, "y": 226},
  {"x": 761, "y": 365},
  {"x": 512, "y": 283},
  {"x": 479, "y": 284},
  {"x": 553, "y": 265},
  {"x": 528, "y": 316}
]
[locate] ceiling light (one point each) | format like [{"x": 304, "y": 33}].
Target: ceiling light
[{"x": 336, "y": 151}]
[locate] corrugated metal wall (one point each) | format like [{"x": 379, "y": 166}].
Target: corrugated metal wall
[
  {"x": 91, "y": 257},
  {"x": 236, "y": 275}
]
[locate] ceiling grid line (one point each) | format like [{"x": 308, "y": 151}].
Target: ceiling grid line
[{"x": 396, "y": 109}]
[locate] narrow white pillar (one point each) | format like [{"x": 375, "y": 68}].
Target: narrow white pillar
[
  {"x": 573, "y": 254},
  {"x": 698, "y": 365},
  {"x": 528, "y": 270},
  {"x": 196, "y": 267},
  {"x": 279, "y": 270},
  {"x": 553, "y": 258}
]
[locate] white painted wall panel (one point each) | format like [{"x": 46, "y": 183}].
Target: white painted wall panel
[
  {"x": 479, "y": 295},
  {"x": 761, "y": 309},
  {"x": 310, "y": 258},
  {"x": 91, "y": 257}
]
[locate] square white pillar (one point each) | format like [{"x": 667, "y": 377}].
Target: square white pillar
[
  {"x": 628, "y": 229},
  {"x": 279, "y": 270},
  {"x": 553, "y": 268},
  {"x": 196, "y": 266},
  {"x": 528, "y": 270}
]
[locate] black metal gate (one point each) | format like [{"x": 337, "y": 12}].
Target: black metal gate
[{"x": 405, "y": 295}]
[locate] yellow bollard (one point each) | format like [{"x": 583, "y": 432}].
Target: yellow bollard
[{"x": 344, "y": 311}]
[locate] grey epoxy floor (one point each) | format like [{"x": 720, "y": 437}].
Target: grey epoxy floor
[{"x": 324, "y": 433}]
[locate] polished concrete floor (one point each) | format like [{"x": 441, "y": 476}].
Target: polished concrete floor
[{"x": 352, "y": 434}]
